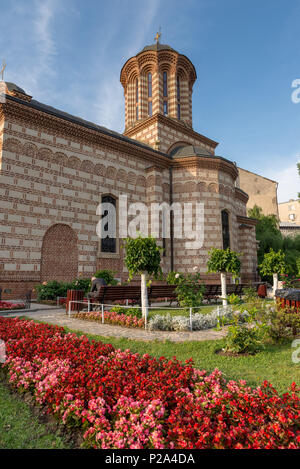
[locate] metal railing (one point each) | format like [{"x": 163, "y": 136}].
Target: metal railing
[{"x": 102, "y": 308}]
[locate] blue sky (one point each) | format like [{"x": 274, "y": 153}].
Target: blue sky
[{"x": 68, "y": 53}]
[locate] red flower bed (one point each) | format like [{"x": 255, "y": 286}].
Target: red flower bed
[
  {"x": 4, "y": 305},
  {"x": 111, "y": 317},
  {"x": 125, "y": 400}
]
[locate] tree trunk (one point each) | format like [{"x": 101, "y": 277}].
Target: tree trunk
[
  {"x": 275, "y": 283},
  {"x": 144, "y": 295},
  {"x": 223, "y": 288}
]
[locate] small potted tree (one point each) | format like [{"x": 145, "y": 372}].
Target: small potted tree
[
  {"x": 142, "y": 258},
  {"x": 273, "y": 263},
  {"x": 222, "y": 261}
]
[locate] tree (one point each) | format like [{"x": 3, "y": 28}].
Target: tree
[
  {"x": 142, "y": 258},
  {"x": 222, "y": 261},
  {"x": 270, "y": 237},
  {"x": 274, "y": 263}
]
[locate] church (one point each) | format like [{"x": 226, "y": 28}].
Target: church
[{"x": 56, "y": 168}]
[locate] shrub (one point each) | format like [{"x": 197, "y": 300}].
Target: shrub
[
  {"x": 136, "y": 312},
  {"x": 282, "y": 324},
  {"x": 107, "y": 275},
  {"x": 242, "y": 339},
  {"x": 199, "y": 321},
  {"x": 52, "y": 289},
  {"x": 250, "y": 294},
  {"x": 189, "y": 291}
]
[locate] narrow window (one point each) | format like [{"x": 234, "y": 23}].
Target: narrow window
[
  {"x": 149, "y": 108},
  {"x": 178, "y": 88},
  {"x": 137, "y": 113},
  {"x": 225, "y": 229},
  {"x": 108, "y": 244},
  {"x": 165, "y": 108},
  {"x": 137, "y": 90},
  {"x": 149, "y": 85},
  {"x": 178, "y": 98},
  {"x": 165, "y": 84}
]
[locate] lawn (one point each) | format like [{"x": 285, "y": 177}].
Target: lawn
[{"x": 20, "y": 429}]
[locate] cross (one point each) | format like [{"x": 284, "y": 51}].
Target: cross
[
  {"x": 157, "y": 37},
  {"x": 3, "y": 68}
]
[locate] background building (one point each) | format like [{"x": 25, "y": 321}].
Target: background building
[{"x": 261, "y": 191}]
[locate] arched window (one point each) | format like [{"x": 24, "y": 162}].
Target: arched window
[
  {"x": 137, "y": 99},
  {"x": 108, "y": 244},
  {"x": 178, "y": 98},
  {"x": 165, "y": 108},
  {"x": 149, "y": 85},
  {"x": 137, "y": 90},
  {"x": 225, "y": 229},
  {"x": 165, "y": 84}
]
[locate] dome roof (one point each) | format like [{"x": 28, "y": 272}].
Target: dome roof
[
  {"x": 190, "y": 150},
  {"x": 157, "y": 47}
]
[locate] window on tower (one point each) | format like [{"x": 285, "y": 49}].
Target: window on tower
[
  {"x": 178, "y": 88},
  {"x": 137, "y": 90},
  {"x": 149, "y": 108},
  {"x": 137, "y": 113},
  {"x": 165, "y": 84},
  {"x": 149, "y": 85},
  {"x": 165, "y": 108},
  {"x": 178, "y": 98}
]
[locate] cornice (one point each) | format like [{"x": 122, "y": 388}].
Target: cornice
[
  {"x": 241, "y": 195},
  {"x": 212, "y": 162},
  {"x": 246, "y": 220},
  {"x": 174, "y": 124},
  {"x": 81, "y": 131}
]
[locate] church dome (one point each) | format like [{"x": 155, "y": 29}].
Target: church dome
[
  {"x": 157, "y": 47},
  {"x": 190, "y": 150}
]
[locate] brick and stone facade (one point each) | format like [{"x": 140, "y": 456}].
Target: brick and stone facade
[{"x": 55, "y": 168}]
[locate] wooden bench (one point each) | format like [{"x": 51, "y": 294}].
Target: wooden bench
[
  {"x": 162, "y": 291},
  {"x": 108, "y": 294}
]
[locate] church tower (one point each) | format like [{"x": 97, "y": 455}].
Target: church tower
[{"x": 158, "y": 86}]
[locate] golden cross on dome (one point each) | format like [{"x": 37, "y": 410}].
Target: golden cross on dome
[
  {"x": 157, "y": 37},
  {"x": 2, "y": 69}
]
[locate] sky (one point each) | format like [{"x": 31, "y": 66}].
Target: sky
[{"x": 69, "y": 53}]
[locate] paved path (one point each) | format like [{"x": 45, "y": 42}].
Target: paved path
[{"x": 57, "y": 316}]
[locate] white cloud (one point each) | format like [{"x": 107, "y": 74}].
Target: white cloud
[
  {"x": 287, "y": 177},
  {"x": 109, "y": 107}
]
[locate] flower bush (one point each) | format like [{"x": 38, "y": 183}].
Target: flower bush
[
  {"x": 4, "y": 305},
  {"x": 124, "y": 400},
  {"x": 112, "y": 317},
  {"x": 199, "y": 321}
]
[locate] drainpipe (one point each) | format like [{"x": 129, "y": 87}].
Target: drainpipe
[{"x": 171, "y": 220}]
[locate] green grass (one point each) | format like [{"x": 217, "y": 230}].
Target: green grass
[{"x": 20, "y": 429}]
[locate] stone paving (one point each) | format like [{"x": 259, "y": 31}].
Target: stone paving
[{"x": 57, "y": 316}]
